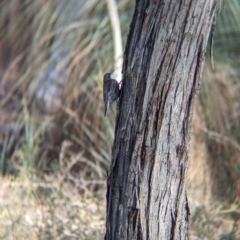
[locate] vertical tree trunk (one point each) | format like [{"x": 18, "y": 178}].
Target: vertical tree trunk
[{"x": 146, "y": 195}]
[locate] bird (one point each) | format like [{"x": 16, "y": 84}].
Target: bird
[{"x": 110, "y": 91}]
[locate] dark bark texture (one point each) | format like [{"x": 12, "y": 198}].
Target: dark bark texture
[{"x": 146, "y": 188}]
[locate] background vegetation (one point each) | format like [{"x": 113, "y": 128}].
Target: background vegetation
[{"x": 55, "y": 145}]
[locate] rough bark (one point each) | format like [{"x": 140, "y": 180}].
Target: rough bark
[{"x": 146, "y": 194}]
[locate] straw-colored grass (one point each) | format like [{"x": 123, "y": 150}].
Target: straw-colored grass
[{"x": 48, "y": 210}]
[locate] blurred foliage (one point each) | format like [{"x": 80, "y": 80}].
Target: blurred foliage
[
  {"x": 227, "y": 34},
  {"x": 54, "y": 57},
  {"x": 219, "y": 100}
]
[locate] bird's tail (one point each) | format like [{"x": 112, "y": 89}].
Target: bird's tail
[{"x": 106, "y": 108}]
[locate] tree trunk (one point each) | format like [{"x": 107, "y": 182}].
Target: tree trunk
[{"x": 146, "y": 189}]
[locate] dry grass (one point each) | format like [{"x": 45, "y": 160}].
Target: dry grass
[
  {"x": 220, "y": 103},
  {"x": 53, "y": 59},
  {"x": 48, "y": 209},
  {"x": 213, "y": 184}
]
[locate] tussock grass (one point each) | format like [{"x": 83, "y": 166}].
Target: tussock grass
[
  {"x": 219, "y": 98},
  {"x": 59, "y": 61},
  {"x": 227, "y": 34}
]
